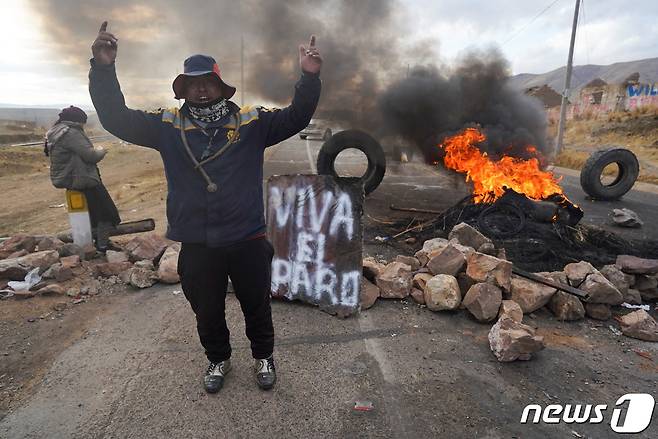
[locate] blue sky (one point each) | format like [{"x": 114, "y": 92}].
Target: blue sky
[{"x": 32, "y": 70}]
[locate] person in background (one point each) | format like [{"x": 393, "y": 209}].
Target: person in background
[{"x": 74, "y": 165}]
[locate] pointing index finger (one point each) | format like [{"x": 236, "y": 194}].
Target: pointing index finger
[
  {"x": 312, "y": 42},
  {"x": 103, "y": 27}
]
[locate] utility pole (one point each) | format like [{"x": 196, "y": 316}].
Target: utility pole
[
  {"x": 567, "y": 83},
  {"x": 242, "y": 70}
]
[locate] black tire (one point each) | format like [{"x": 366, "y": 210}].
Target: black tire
[
  {"x": 327, "y": 134},
  {"x": 364, "y": 143},
  {"x": 590, "y": 175}
]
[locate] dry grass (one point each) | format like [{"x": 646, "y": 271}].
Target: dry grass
[{"x": 636, "y": 130}]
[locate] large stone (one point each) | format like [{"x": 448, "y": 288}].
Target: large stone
[
  {"x": 71, "y": 249},
  {"x": 115, "y": 256},
  {"x": 17, "y": 243},
  {"x": 448, "y": 261},
  {"x": 420, "y": 279},
  {"x": 372, "y": 268},
  {"x": 577, "y": 272},
  {"x": 634, "y": 265},
  {"x": 483, "y": 301},
  {"x": 644, "y": 282},
  {"x": 510, "y": 340},
  {"x": 70, "y": 261},
  {"x": 418, "y": 296},
  {"x": 509, "y": 309},
  {"x": 17, "y": 268},
  {"x": 601, "y": 290},
  {"x": 649, "y": 295},
  {"x": 598, "y": 311},
  {"x": 616, "y": 277},
  {"x": 639, "y": 324},
  {"x": 20, "y": 253},
  {"x": 428, "y": 247},
  {"x": 626, "y": 218},
  {"x": 49, "y": 243},
  {"x": 395, "y": 281},
  {"x": 633, "y": 297},
  {"x": 143, "y": 278},
  {"x": 468, "y": 236},
  {"x": 58, "y": 272},
  {"x": 442, "y": 293},
  {"x": 485, "y": 268},
  {"x": 530, "y": 295},
  {"x": 369, "y": 293},
  {"x": 168, "y": 267},
  {"x": 409, "y": 260},
  {"x": 566, "y": 306},
  {"x": 149, "y": 247},
  {"x": 146, "y": 264},
  {"x": 108, "y": 269}
]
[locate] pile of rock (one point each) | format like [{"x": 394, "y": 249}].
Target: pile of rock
[
  {"x": 65, "y": 268},
  {"x": 466, "y": 271}
]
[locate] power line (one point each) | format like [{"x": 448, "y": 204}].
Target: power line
[{"x": 542, "y": 12}]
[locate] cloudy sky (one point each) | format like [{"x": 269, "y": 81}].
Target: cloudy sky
[{"x": 532, "y": 34}]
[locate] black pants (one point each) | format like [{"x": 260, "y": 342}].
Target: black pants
[
  {"x": 101, "y": 207},
  {"x": 204, "y": 275}
]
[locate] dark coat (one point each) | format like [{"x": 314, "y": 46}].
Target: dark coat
[
  {"x": 234, "y": 212},
  {"x": 72, "y": 157}
]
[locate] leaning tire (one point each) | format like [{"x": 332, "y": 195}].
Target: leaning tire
[
  {"x": 590, "y": 175},
  {"x": 358, "y": 140}
]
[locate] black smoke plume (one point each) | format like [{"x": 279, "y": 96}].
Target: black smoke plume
[{"x": 367, "y": 79}]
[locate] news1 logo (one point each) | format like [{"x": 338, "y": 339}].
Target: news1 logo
[{"x": 637, "y": 417}]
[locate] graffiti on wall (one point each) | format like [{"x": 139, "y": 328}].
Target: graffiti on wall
[
  {"x": 315, "y": 226},
  {"x": 642, "y": 90}
]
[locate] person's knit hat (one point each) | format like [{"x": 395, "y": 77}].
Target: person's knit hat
[
  {"x": 198, "y": 65},
  {"x": 73, "y": 114}
]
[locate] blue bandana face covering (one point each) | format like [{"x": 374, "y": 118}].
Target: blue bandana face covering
[{"x": 210, "y": 112}]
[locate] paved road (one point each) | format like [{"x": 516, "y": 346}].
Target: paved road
[{"x": 137, "y": 372}]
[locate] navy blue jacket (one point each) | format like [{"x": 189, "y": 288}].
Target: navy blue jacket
[{"x": 235, "y": 211}]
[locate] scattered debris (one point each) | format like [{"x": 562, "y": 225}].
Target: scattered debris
[
  {"x": 363, "y": 406},
  {"x": 31, "y": 279},
  {"x": 639, "y": 324},
  {"x": 510, "y": 340},
  {"x": 629, "y": 306},
  {"x": 626, "y": 218},
  {"x": 369, "y": 293},
  {"x": 483, "y": 301},
  {"x": 442, "y": 293},
  {"x": 598, "y": 311},
  {"x": 643, "y": 354}
]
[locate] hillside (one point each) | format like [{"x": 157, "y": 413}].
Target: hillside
[{"x": 613, "y": 74}]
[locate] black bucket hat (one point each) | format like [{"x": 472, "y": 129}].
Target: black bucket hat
[{"x": 198, "y": 65}]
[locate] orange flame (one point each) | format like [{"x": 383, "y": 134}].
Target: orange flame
[{"x": 491, "y": 178}]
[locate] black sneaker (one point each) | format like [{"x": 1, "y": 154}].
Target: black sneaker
[
  {"x": 265, "y": 373},
  {"x": 213, "y": 380}
]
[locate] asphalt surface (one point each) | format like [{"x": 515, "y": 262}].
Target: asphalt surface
[{"x": 137, "y": 372}]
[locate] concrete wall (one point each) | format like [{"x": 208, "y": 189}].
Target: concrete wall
[{"x": 596, "y": 101}]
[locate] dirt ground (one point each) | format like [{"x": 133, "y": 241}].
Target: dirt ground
[
  {"x": 429, "y": 374},
  {"x": 30, "y": 204}
]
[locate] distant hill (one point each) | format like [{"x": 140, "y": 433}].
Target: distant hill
[
  {"x": 612, "y": 74},
  {"x": 41, "y": 117}
]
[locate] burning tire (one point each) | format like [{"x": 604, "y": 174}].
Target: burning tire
[
  {"x": 358, "y": 140},
  {"x": 592, "y": 172}
]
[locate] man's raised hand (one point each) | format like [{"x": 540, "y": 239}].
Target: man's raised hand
[
  {"x": 309, "y": 57},
  {"x": 105, "y": 46}
]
